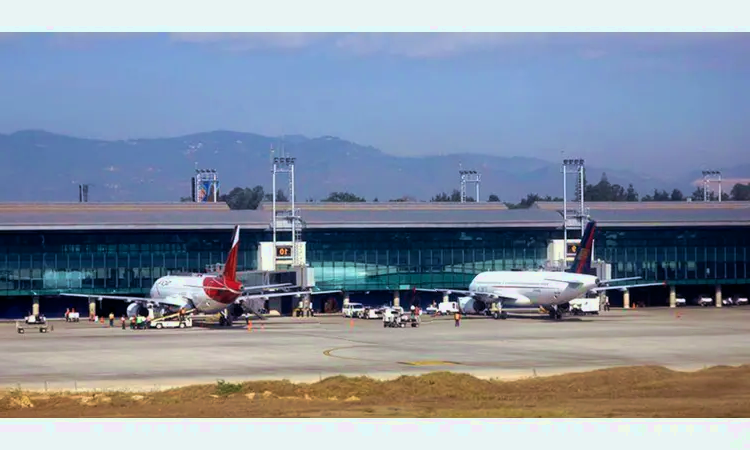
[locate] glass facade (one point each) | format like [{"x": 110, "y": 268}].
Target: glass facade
[
  {"x": 680, "y": 256},
  {"x": 128, "y": 262}
]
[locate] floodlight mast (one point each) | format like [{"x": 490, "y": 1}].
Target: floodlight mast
[
  {"x": 285, "y": 164},
  {"x": 569, "y": 167},
  {"x": 469, "y": 176},
  {"x": 708, "y": 176}
]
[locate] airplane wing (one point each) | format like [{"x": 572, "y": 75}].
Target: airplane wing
[
  {"x": 506, "y": 295},
  {"x": 265, "y": 286},
  {"x": 447, "y": 291},
  {"x": 169, "y": 301},
  {"x": 620, "y": 279},
  {"x": 325, "y": 292},
  {"x": 631, "y": 286},
  {"x": 245, "y": 289},
  {"x": 270, "y": 295}
]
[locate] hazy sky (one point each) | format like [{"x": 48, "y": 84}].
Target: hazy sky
[{"x": 674, "y": 100}]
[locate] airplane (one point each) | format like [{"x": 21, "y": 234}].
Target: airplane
[
  {"x": 203, "y": 293},
  {"x": 536, "y": 288}
]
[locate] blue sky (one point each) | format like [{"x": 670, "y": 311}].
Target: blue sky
[{"x": 615, "y": 99}]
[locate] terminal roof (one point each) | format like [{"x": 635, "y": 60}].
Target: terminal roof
[{"x": 208, "y": 216}]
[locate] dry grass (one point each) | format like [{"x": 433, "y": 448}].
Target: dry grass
[{"x": 622, "y": 392}]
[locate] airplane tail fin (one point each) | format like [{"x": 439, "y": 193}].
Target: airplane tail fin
[
  {"x": 230, "y": 267},
  {"x": 582, "y": 261}
]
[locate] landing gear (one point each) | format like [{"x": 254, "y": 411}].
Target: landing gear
[
  {"x": 500, "y": 315},
  {"x": 225, "y": 319},
  {"x": 555, "y": 313}
]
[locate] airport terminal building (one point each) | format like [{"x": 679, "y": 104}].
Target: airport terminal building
[{"x": 368, "y": 250}]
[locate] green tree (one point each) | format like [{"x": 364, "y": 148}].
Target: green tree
[
  {"x": 740, "y": 192},
  {"x": 405, "y": 198},
  {"x": 243, "y": 198},
  {"x": 677, "y": 196},
  {"x": 343, "y": 197},
  {"x": 530, "y": 200},
  {"x": 697, "y": 195},
  {"x": 280, "y": 196},
  {"x": 631, "y": 195},
  {"x": 604, "y": 191},
  {"x": 493, "y": 198},
  {"x": 454, "y": 197},
  {"x": 658, "y": 196}
]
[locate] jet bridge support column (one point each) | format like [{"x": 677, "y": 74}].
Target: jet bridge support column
[
  {"x": 446, "y": 297},
  {"x": 396, "y": 298},
  {"x": 346, "y": 298},
  {"x": 672, "y": 297},
  {"x": 626, "y": 299},
  {"x": 717, "y": 296},
  {"x": 35, "y": 306}
]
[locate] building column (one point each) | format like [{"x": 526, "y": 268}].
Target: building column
[
  {"x": 396, "y": 298},
  {"x": 274, "y": 304},
  {"x": 717, "y": 296},
  {"x": 346, "y": 298},
  {"x": 92, "y": 308},
  {"x": 672, "y": 297},
  {"x": 626, "y": 299},
  {"x": 35, "y": 306},
  {"x": 446, "y": 297}
]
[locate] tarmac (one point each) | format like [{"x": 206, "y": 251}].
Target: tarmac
[{"x": 91, "y": 356}]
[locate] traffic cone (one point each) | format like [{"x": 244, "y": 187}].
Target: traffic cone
[
  {"x": 250, "y": 326},
  {"x": 351, "y": 323},
  {"x": 262, "y": 326}
]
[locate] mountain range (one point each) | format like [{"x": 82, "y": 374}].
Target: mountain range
[{"x": 41, "y": 166}]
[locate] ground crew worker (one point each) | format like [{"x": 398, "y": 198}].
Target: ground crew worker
[
  {"x": 606, "y": 304},
  {"x": 111, "y": 319},
  {"x": 122, "y": 321},
  {"x": 457, "y": 317}
]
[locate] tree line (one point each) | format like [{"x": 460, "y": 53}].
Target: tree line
[{"x": 603, "y": 191}]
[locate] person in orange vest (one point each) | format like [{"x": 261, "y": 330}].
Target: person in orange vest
[{"x": 457, "y": 317}]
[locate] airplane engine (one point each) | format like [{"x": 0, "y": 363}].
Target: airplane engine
[
  {"x": 135, "y": 309},
  {"x": 471, "y": 305}
]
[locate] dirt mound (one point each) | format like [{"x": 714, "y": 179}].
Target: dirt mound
[{"x": 647, "y": 391}]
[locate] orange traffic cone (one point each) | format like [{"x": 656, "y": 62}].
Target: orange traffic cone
[{"x": 250, "y": 326}]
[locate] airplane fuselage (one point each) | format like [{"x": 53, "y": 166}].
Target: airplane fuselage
[
  {"x": 531, "y": 288},
  {"x": 207, "y": 294}
]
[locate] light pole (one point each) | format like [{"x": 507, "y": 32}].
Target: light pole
[
  {"x": 571, "y": 166},
  {"x": 708, "y": 177}
]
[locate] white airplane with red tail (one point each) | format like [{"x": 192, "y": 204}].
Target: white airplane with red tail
[{"x": 203, "y": 293}]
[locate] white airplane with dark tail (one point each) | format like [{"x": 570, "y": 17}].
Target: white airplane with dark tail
[{"x": 536, "y": 288}]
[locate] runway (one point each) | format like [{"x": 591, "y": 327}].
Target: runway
[{"x": 83, "y": 356}]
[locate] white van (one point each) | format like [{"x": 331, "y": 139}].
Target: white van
[
  {"x": 446, "y": 308},
  {"x": 352, "y": 309},
  {"x": 583, "y": 306}
]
